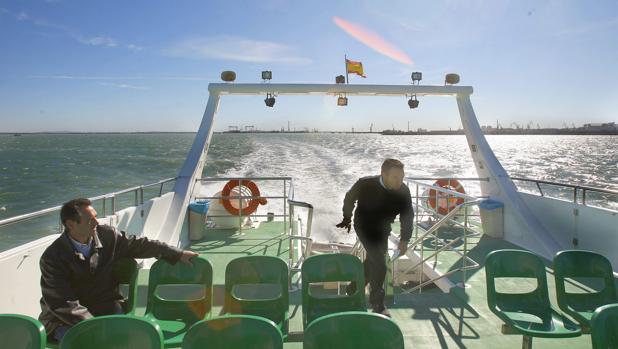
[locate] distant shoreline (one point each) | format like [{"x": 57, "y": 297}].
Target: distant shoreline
[
  {"x": 87, "y": 133},
  {"x": 510, "y": 132},
  {"x": 385, "y": 133}
]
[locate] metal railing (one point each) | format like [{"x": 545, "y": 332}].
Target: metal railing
[
  {"x": 419, "y": 199},
  {"x": 300, "y": 242},
  {"x": 577, "y": 189},
  {"x": 303, "y": 242},
  {"x": 241, "y": 197},
  {"x": 139, "y": 200},
  {"x": 446, "y": 246},
  {"x": 431, "y": 234}
]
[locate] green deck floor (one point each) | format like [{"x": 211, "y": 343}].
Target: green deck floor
[{"x": 431, "y": 319}]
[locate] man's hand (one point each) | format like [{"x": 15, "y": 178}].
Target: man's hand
[
  {"x": 345, "y": 224},
  {"x": 186, "y": 256},
  {"x": 403, "y": 247}
]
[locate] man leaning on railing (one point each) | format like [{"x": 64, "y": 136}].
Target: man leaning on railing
[{"x": 76, "y": 269}]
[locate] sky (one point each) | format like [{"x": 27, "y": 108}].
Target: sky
[{"x": 125, "y": 66}]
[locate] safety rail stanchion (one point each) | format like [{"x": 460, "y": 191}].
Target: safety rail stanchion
[
  {"x": 303, "y": 239},
  {"x": 240, "y": 199},
  {"x": 141, "y": 200},
  {"x": 422, "y": 272},
  {"x": 463, "y": 260},
  {"x": 416, "y": 225},
  {"x": 291, "y": 236},
  {"x": 285, "y": 193},
  {"x": 103, "y": 210}
]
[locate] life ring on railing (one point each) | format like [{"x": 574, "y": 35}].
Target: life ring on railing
[
  {"x": 442, "y": 202},
  {"x": 253, "y": 203}
]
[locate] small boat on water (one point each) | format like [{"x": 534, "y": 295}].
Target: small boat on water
[{"x": 470, "y": 278}]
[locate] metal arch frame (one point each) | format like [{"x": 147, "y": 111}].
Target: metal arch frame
[{"x": 518, "y": 219}]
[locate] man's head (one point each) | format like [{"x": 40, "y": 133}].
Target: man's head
[
  {"x": 79, "y": 218},
  {"x": 392, "y": 173}
]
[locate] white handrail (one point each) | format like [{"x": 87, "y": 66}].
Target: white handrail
[{"x": 39, "y": 213}]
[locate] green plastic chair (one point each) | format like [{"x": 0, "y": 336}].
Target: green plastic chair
[
  {"x": 113, "y": 332},
  {"x": 21, "y": 332},
  {"x": 353, "y": 330},
  {"x": 124, "y": 271},
  {"x": 529, "y": 314},
  {"x": 258, "y": 285},
  {"x": 604, "y": 327},
  {"x": 175, "y": 316},
  {"x": 327, "y": 268},
  {"x": 581, "y": 306},
  {"x": 234, "y": 332}
]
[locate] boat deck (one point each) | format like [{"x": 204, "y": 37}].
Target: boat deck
[{"x": 431, "y": 319}]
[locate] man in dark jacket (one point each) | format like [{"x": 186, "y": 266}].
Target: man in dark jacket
[
  {"x": 379, "y": 200},
  {"x": 76, "y": 269}
]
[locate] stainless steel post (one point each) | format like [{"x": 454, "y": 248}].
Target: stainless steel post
[
  {"x": 240, "y": 205},
  {"x": 285, "y": 228},
  {"x": 141, "y": 199}
]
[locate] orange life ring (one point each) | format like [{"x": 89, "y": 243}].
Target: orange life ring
[
  {"x": 443, "y": 202},
  {"x": 253, "y": 203}
]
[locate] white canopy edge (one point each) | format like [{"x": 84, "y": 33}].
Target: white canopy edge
[{"x": 334, "y": 89}]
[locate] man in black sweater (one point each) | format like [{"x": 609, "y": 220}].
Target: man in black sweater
[{"x": 379, "y": 200}]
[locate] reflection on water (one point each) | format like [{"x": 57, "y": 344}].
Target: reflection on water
[
  {"x": 324, "y": 166},
  {"x": 40, "y": 171}
]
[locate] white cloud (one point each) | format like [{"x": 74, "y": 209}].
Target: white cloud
[
  {"x": 98, "y": 41},
  {"x": 75, "y": 77},
  {"x": 133, "y": 47},
  {"x": 22, "y": 16},
  {"x": 237, "y": 49},
  {"x": 126, "y": 86},
  {"x": 101, "y": 40}
]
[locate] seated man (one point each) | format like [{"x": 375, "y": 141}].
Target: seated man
[{"x": 76, "y": 269}]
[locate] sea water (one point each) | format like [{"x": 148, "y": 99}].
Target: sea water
[{"x": 44, "y": 170}]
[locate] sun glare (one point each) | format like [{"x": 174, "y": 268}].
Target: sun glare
[{"x": 373, "y": 40}]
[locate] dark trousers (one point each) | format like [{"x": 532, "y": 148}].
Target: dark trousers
[{"x": 374, "y": 266}]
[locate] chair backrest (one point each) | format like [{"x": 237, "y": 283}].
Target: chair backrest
[
  {"x": 327, "y": 268},
  {"x": 113, "y": 332},
  {"x": 234, "y": 332},
  {"x": 252, "y": 271},
  {"x": 124, "y": 271},
  {"x": 189, "y": 310},
  {"x": 583, "y": 264},
  {"x": 517, "y": 264},
  {"x": 353, "y": 330},
  {"x": 21, "y": 332},
  {"x": 604, "y": 329}
]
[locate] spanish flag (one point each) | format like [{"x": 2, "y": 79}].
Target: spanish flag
[{"x": 354, "y": 67}]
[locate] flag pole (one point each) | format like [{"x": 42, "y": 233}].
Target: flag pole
[{"x": 346, "y": 68}]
